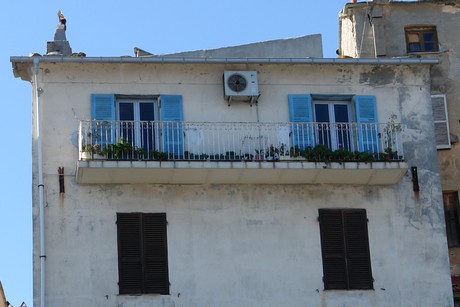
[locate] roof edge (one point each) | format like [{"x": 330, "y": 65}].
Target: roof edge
[
  {"x": 22, "y": 65},
  {"x": 191, "y": 60}
]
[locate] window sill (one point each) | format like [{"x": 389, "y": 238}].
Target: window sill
[{"x": 420, "y": 53}]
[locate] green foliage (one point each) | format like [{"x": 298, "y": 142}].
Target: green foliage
[
  {"x": 120, "y": 151},
  {"x": 159, "y": 156},
  {"x": 294, "y": 151},
  {"x": 94, "y": 149},
  {"x": 192, "y": 156},
  {"x": 124, "y": 150},
  {"x": 321, "y": 153}
]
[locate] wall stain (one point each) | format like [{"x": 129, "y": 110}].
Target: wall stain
[{"x": 379, "y": 76}]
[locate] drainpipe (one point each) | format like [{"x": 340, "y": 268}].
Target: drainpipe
[
  {"x": 37, "y": 91},
  {"x": 260, "y": 149}
]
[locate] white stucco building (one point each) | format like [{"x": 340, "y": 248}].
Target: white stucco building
[{"x": 177, "y": 181}]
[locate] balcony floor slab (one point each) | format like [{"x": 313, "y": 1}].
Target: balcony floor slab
[{"x": 239, "y": 172}]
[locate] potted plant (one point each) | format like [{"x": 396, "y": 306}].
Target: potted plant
[
  {"x": 273, "y": 153},
  {"x": 247, "y": 157},
  {"x": 284, "y": 152},
  {"x": 259, "y": 155},
  {"x": 92, "y": 152},
  {"x": 295, "y": 153},
  {"x": 230, "y": 155},
  {"x": 121, "y": 150}
]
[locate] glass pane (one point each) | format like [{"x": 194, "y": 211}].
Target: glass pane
[
  {"x": 343, "y": 127},
  {"x": 126, "y": 113},
  {"x": 412, "y": 38},
  {"x": 147, "y": 127},
  {"x": 322, "y": 112},
  {"x": 126, "y": 110},
  {"x": 341, "y": 113},
  {"x": 428, "y": 37},
  {"x": 146, "y": 111},
  {"x": 323, "y": 126},
  {"x": 414, "y": 47},
  {"x": 429, "y": 47}
]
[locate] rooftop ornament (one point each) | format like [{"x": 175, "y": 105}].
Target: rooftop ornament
[
  {"x": 59, "y": 35},
  {"x": 60, "y": 45}
]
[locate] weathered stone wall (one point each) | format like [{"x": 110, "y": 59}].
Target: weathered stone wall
[{"x": 357, "y": 40}]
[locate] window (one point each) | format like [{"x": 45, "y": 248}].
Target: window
[
  {"x": 452, "y": 216},
  {"x": 142, "y": 253},
  {"x": 421, "y": 38},
  {"x": 135, "y": 119},
  {"x": 345, "y": 249},
  {"x": 332, "y": 118},
  {"x": 441, "y": 123},
  {"x": 348, "y": 122},
  {"x": 137, "y": 122}
]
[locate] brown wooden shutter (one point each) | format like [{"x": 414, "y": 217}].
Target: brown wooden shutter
[
  {"x": 333, "y": 249},
  {"x": 345, "y": 249},
  {"x": 142, "y": 253},
  {"x": 357, "y": 245},
  {"x": 452, "y": 216},
  {"x": 129, "y": 253},
  {"x": 156, "y": 253}
]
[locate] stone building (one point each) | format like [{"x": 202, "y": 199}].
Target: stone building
[{"x": 419, "y": 30}]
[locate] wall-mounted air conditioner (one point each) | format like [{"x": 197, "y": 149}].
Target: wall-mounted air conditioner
[{"x": 241, "y": 85}]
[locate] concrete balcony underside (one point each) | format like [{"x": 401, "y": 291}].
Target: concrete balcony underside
[{"x": 239, "y": 172}]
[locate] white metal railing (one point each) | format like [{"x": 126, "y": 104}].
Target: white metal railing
[{"x": 156, "y": 140}]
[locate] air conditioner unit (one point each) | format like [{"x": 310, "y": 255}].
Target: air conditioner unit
[{"x": 241, "y": 84}]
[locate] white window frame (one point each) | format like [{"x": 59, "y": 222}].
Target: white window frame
[
  {"x": 136, "y": 103},
  {"x": 332, "y": 120}
]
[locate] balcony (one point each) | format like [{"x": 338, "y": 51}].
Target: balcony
[{"x": 239, "y": 153}]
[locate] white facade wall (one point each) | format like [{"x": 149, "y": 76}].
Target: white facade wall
[{"x": 239, "y": 245}]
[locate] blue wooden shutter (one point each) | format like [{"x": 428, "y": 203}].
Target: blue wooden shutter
[
  {"x": 172, "y": 130},
  {"x": 368, "y": 129},
  {"x": 300, "y": 115},
  {"x": 103, "y": 116}
]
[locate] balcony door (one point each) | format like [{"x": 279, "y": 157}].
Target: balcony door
[
  {"x": 333, "y": 124},
  {"x": 136, "y": 123}
]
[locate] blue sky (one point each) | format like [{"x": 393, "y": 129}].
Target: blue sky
[{"x": 114, "y": 28}]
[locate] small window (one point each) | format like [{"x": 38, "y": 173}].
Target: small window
[
  {"x": 142, "y": 253},
  {"x": 441, "y": 123},
  {"x": 452, "y": 216},
  {"x": 421, "y": 39},
  {"x": 345, "y": 249}
]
